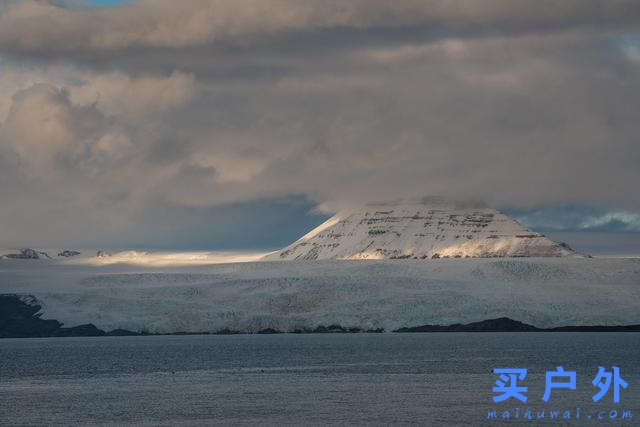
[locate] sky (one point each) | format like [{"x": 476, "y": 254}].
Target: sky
[
  {"x": 230, "y": 124},
  {"x": 106, "y": 3}
]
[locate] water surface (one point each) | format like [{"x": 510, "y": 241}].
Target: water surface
[{"x": 443, "y": 378}]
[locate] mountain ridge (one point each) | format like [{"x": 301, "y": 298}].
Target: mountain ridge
[{"x": 420, "y": 229}]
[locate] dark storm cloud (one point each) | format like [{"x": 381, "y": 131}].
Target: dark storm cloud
[
  {"x": 110, "y": 117},
  {"x": 42, "y": 27}
]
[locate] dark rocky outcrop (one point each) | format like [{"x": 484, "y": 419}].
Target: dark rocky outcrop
[
  {"x": 68, "y": 254},
  {"x": 335, "y": 329},
  {"x": 88, "y": 330},
  {"x": 20, "y": 318},
  {"x": 269, "y": 331},
  {"x": 227, "y": 331},
  {"x": 504, "y": 324},
  {"x": 122, "y": 333},
  {"x": 27, "y": 254}
]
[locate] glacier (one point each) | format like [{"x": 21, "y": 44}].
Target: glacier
[{"x": 370, "y": 294}]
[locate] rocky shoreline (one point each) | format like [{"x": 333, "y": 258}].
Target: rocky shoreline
[
  {"x": 20, "y": 318},
  {"x": 505, "y": 324}
]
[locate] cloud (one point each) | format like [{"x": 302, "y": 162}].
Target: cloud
[
  {"x": 46, "y": 131},
  {"x": 618, "y": 221},
  {"x": 120, "y": 94},
  {"x": 574, "y": 218},
  {"x": 112, "y": 92},
  {"x": 111, "y": 117},
  {"x": 59, "y": 160},
  {"x": 42, "y": 27}
]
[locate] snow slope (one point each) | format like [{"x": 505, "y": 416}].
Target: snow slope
[
  {"x": 137, "y": 257},
  {"x": 419, "y": 229},
  {"x": 390, "y": 294}
]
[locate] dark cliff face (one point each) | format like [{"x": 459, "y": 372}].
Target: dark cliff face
[{"x": 19, "y": 318}]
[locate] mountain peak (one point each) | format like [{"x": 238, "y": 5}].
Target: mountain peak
[{"x": 419, "y": 229}]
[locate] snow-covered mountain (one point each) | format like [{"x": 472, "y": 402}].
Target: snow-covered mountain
[{"x": 419, "y": 229}]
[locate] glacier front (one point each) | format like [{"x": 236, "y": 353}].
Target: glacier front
[{"x": 389, "y": 294}]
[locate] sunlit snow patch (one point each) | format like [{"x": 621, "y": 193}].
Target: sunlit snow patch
[{"x": 161, "y": 259}]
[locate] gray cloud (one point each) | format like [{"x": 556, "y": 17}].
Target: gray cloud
[
  {"x": 110, "y": 117},
  {"x": 572, "y": 218},
  {"x": 43, "y": 27}
]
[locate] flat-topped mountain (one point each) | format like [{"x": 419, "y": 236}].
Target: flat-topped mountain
[{"x": 420, "y": 229}]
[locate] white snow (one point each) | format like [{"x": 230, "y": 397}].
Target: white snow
[
  {"x": 163, "y": 259},
  {"x": 419, "y": 229},
  {"x": 148, "y": 258},
  {"x": 367, "y": 294}
]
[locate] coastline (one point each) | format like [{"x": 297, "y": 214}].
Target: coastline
[{"x": 20, "y": 318}]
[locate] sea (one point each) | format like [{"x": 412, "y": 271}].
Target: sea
[{"x": 321, "y": 379}]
